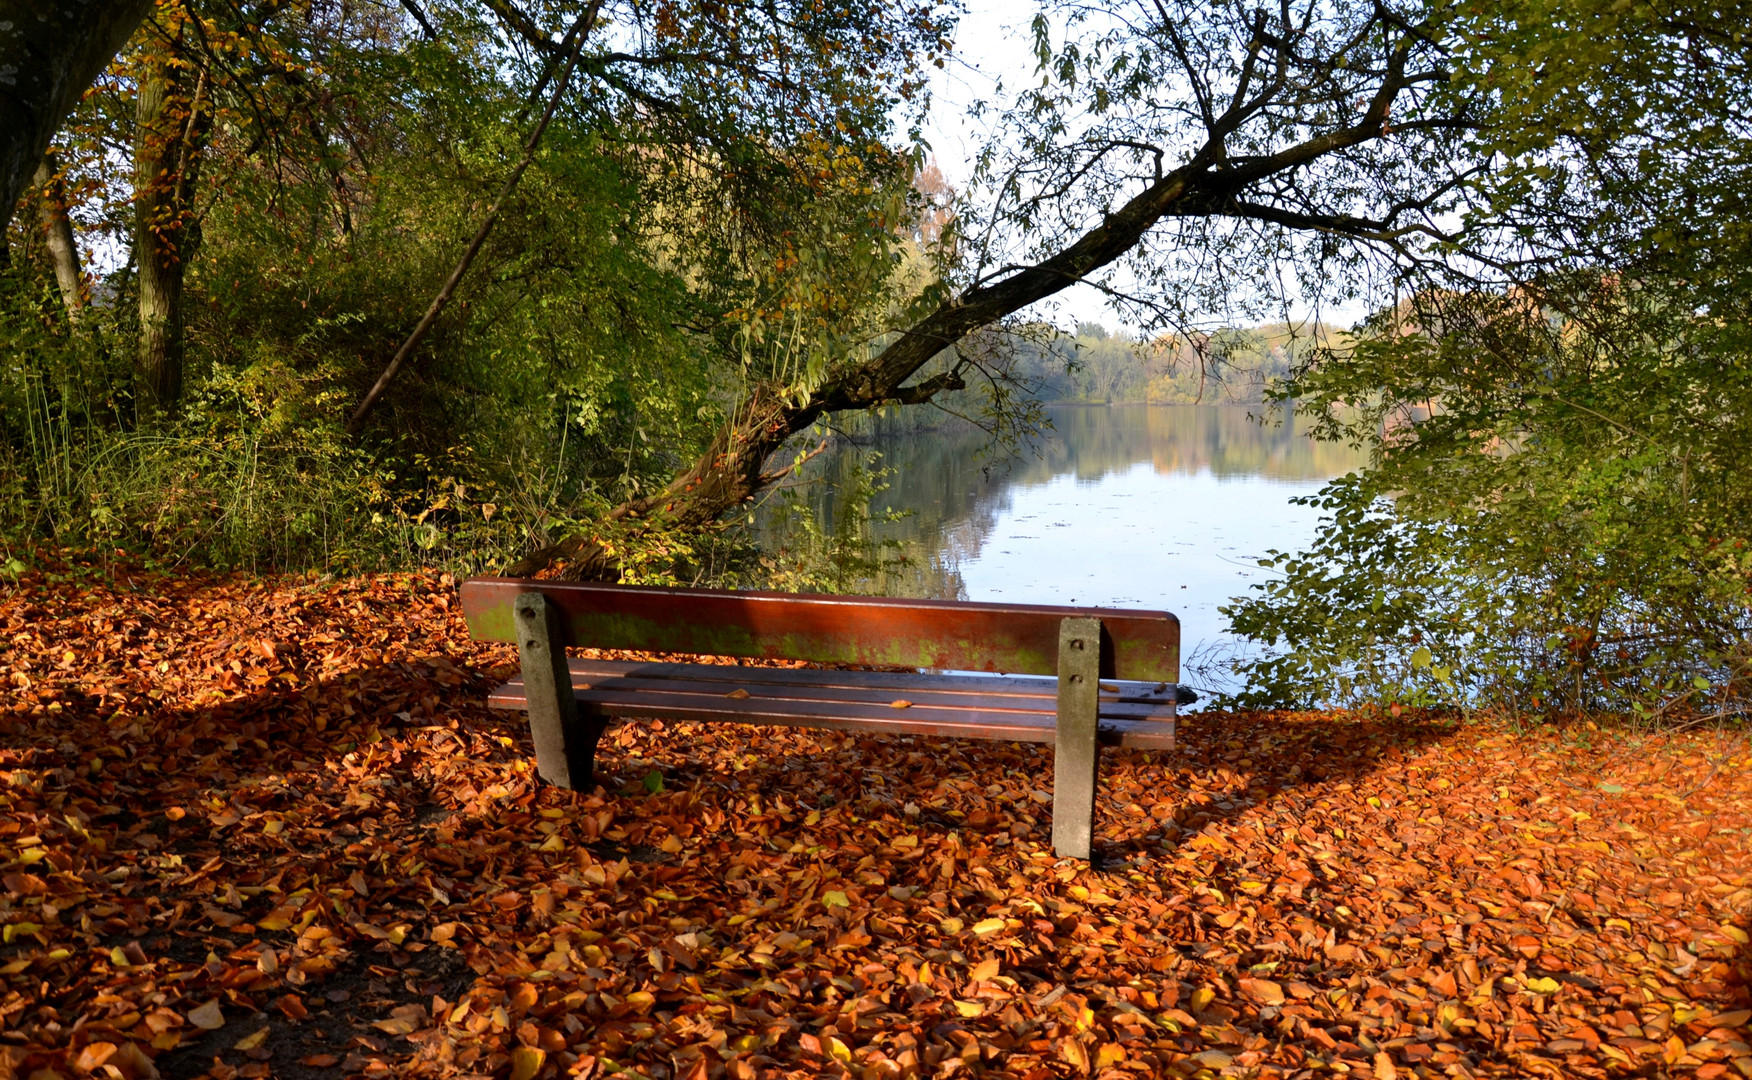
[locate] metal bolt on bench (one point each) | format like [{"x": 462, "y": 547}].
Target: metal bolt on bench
[{"x": 571, "y": 702}]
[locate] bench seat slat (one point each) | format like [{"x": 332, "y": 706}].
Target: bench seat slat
[
  {"x": 1032, "y": 686},
  {"x": 511, "y": 696},
  {"x": 962, "y": 715},
  {"x": 718, "y": 681}
]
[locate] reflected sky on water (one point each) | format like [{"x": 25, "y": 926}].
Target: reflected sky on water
[{"x": 1131, "y": 506}]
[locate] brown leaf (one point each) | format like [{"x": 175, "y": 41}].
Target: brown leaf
[
  {"x": 1264, "y": 991},
  {"x": 207, "y": 1016}
]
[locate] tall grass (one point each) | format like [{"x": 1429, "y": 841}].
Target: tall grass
[{"x": 225, "y": 492}]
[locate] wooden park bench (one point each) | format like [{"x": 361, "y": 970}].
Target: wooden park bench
[{"x": 1117, "y": 672}]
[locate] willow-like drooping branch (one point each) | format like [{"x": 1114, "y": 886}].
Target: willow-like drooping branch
[{"x": 580, "y": 30}]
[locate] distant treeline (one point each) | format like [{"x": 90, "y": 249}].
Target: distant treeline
[{"x": 1222, "y": 367}]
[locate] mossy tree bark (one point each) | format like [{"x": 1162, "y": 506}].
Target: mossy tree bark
[
  {"x": 170, "y": 134},
  {"x": 58, "y": 239}
]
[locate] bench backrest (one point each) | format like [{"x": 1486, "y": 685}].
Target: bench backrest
[{"x": 1021, "y": 639}]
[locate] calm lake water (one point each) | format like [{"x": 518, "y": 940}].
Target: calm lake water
[{"x": 1137, "y": 506}]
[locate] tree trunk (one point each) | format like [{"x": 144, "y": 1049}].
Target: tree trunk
[
  {"x": 170, "y": 132},
  {"x": 51, "y": 199},
  {"x": 50, "y": 52}
]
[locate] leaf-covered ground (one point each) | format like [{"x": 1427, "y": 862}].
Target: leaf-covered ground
[{"x": 268, "y": 829}]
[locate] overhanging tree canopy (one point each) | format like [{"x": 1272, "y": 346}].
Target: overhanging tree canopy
[{"x": 1161, "y": 135}]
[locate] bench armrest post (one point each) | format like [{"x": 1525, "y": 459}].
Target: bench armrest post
[
  {"x": 1076, "y": 755},
  {"x": 565, "y": 748}
]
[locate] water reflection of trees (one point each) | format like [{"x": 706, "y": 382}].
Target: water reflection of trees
[{"x": 953, "y": 490}]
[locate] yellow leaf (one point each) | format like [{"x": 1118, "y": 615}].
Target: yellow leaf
[
  {"x": 207, "y": 1017},
  {"x": 93, "y": 1056},
  {"x": 18, "y": 930},
  {"x": 1079, "y": 892},
  {"x": 273, "y": 827},
  {"x": 397, "y": 934},
  {"x": 900, "y": 703},
  {"x": 838, "y": 1050},
  {"x": 988, "y": 926},
  {"x": 1110, "y": 1054},
  {"x": 1202, "y": 997},
  {"x": 1376, "y": 803},
  {"x": 31, "y": 855},
  {"x": 951, "y": 925},
  {"x": 526, "y": 1061},
  {"x": 984, "y": 970},
  {"x": 119, "y": 958},
  {"x": 1543, "y": 985},
  {"x": 969, "y": 1008},
  {"x": 250, "y": 1042},
  {"x": 273, "y": 922},
  {"x": 1384, "y": 1069},
  {"x": 395, "y": 1025},
  {"x": 1073, "y": 1053},
  {"x": 1732, "y": 931},
  {"x": 737, "y": 695}
]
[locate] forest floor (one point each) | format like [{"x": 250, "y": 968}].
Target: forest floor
[{"x": 267, "y": 828}]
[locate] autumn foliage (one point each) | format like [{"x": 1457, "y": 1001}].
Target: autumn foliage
[{"x": 269, "y": 829}]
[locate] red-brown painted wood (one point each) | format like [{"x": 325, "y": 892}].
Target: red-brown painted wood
[{"x": 941, "y": 634}]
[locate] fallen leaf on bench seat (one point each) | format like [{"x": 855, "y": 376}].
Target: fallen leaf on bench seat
[
  {"x": 739, "y": 694},
  {"x": 900, "y": 703}
]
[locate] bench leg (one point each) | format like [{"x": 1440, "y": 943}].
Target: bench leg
[
  {"x": 565, "y": 743},
  {"x": 1076, "y": 756}
]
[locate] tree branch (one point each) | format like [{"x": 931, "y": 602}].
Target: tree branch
[{"x": 480, "y": 237}]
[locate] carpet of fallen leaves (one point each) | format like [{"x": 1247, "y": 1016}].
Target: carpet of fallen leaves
[{"x": 257, "y": 828}]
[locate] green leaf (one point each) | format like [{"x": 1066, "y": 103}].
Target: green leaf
[
  {"x": 654, "y": 781},
  {"x": 835, "y": 899}
]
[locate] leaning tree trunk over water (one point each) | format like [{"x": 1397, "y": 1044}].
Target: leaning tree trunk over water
[
  {"x": 170, "y": 133},
  {"x": 1217, "y": 180}
]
